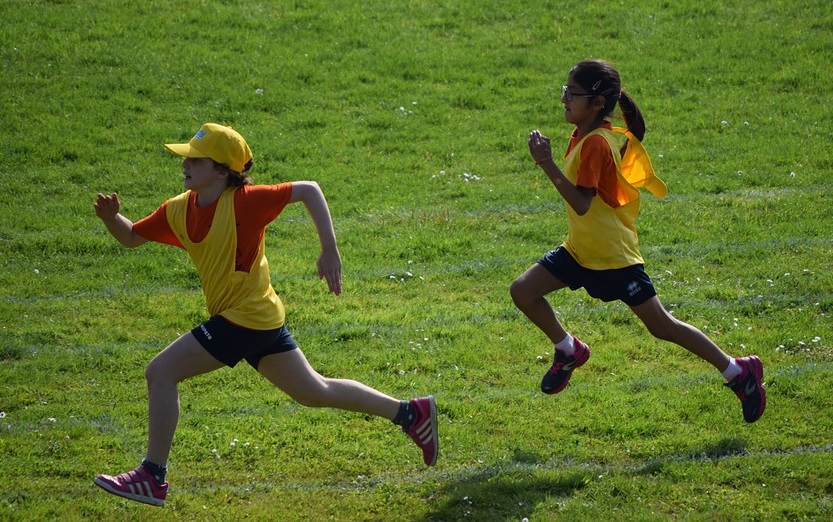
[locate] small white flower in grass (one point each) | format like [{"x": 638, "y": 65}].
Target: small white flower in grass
[
  {"x": 724, "y": 122},
  {"x": 792, "y": 174},
  {"x": 52, "y": 419},
  {"x": 259, "y": 92},
  {"x": 816, "y": 339},
  {"x": 37, "y": 271},
  {"x": 2, "y": 414}
]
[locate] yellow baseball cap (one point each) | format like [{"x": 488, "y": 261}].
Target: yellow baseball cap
[{"x": 220, "y": 143}]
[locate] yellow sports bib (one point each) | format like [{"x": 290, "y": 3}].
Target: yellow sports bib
[
  {"x": 605, "y": 237},
  {"x": 245, "y": 299}
]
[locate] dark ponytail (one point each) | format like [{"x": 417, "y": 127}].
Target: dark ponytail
[
  {"x": 600, "y": 77},
  {"x": 632, "y": 115}
]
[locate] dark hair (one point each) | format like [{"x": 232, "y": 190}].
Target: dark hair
[
  {"x": 237, "y": 179},
  {"x": 600, "y": 77}
]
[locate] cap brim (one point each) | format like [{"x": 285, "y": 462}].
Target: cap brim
[{"x": 185, "y": 150}]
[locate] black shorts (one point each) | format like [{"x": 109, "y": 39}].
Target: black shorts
[
  {"x": 229, "y": 343},
  {"x": 630, "y": 285}
]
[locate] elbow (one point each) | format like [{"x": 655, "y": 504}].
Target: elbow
[
  {"x": 304, "y": 191},
  {"x": 134, "y": 240},
  {"x": 581, "y": 209}
]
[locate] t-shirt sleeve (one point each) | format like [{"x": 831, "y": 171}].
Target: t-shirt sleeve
[
  {"x": 155, "y": 227},
  {"x": 261, "y": 204},
  {"x": 594, "y": 153},
  {"x": 597, "y": 170}
]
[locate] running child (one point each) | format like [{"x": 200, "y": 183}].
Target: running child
[
  {"x": 604, "y": 167},
  {"x": 220, "y": 221}
]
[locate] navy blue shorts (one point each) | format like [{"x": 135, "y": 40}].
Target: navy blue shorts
[
  {"x": 630, "y": 285},
  {"x": 229, "y": 343}
]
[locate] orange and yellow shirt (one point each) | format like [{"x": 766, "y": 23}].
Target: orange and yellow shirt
[
  {"x": 226, "y": 242},
  {"x": 605, "y": 237}
]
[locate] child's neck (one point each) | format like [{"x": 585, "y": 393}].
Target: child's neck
[
  {"x": 209, "y": 195},
  {"x": 588, "y": 127}
]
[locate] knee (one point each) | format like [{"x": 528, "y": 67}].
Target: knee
[
  {"x": 520, "y": 296},
  {"x": 156, "y": 373},
  {"x": 309, "y": 401},
  {"x": 152, "y": 374}
]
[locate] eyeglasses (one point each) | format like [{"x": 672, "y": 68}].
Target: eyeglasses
[{"x": 568, "y": 95}]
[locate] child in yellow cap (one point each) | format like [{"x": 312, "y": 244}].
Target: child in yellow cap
[{"x": 220, "y": 221}]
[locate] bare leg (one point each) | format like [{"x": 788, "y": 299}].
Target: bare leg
[
  {"x": 528, "y": 292},
  {"x": 665, "y": 326},
  {"x": 182, "y": 359},
  {"x": 292, "y": 373}
]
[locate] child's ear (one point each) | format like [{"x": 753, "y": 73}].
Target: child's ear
[{"x": 598, "y": 103}]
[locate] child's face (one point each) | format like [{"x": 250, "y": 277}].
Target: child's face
[
  {"x": 200, "y": 173},
  {"x": 579, "y": 107}
]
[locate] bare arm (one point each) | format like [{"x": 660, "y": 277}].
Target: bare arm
[
  {"x": 329, "y": 260},
  {"x": 579, "y": 198},
  {"x": 121, "y": 228}
]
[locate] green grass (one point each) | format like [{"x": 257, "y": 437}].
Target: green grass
[{"x": 413, "y": 117}]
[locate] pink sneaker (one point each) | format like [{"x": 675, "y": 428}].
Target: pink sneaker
[
  {"x": 558, "y": 377},
  {"x": 424, "y": 428},
  {"x": 136, "y": 485},
  {"x": 747, "y": 386}
]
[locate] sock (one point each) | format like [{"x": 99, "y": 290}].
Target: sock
[
  {"x": 566, "y": 346},
  {"x": 405, "y": 415},
  {"x": 732, "y": 371},
  {"x": 157, "y": 472}
]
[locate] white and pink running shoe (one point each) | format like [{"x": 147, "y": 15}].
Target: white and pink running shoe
[
  {"x": 423, "y": 430},
  {"x": 136, "y": 485}
]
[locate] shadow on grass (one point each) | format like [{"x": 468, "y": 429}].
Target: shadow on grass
[
  {"x": 508, "y": 492},
  {"x": 512, "y": 491},
  {"x": 724, "y": 448}
]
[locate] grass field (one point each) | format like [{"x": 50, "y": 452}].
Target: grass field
[{"x": 413, "y": 118}]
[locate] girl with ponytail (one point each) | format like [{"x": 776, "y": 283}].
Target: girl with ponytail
[{"x": 604, "y": 168}]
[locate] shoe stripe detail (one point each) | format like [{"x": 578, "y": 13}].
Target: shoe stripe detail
[
  {"x": 133, "y": 486},
  {"x": 424, "y": 431}
]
